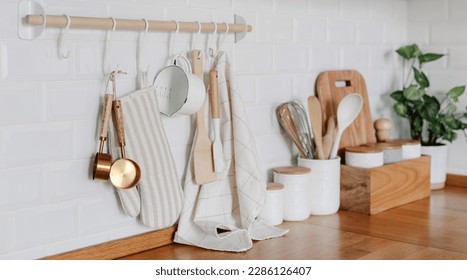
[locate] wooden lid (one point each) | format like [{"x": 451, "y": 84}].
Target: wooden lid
[
  {"x": 404, "y": 141},
  {"x": 291, "y": 170},
  {"x": 385, "y": 145},
  {"x": 363, "y": 150},
  {"x": 274, "y": 186}
]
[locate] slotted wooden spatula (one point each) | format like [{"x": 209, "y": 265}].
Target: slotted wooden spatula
[
  {"x": 202, "y": 152},
  {"x": 217, "y": 151}
]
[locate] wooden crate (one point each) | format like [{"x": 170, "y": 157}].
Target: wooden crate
[{"x": 370, "y": 191}]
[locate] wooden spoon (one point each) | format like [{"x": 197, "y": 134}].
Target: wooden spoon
[{"x": 316, "y": 120}]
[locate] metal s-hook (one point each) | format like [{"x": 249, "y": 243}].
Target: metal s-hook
[
  {"x": 210, "y": 48},
  {"x": 194, "y": 38},
  {"x": 221, "y": 40},
  {"x": 44, "y": 21},
  {"x": 172, "y": 37},
  {"x": 142, "y": 75},
  {"x": 108, "y": 37},
  {"x": 141, "y": 43},
  {"x": 61, "y": 38}
]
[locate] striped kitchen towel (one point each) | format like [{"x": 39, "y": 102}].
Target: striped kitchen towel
[{"x": 158, "y": 197}]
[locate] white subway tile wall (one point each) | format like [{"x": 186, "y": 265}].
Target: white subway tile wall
[
  {"x": 44, "y": 224},
  {"x": 441, "y": 26},
  {"x": 49, "y": 108}
]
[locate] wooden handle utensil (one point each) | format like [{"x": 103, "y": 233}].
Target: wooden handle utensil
[{"x": 124, "y": 173}]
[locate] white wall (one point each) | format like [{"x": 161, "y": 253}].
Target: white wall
[
  {"x": 49, "y": 108},
  {"x": 441, "y": 26}
]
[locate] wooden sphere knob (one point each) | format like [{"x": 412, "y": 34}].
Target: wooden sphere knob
[
  {"x": 383, "y": 124},
  {"x": 383, "y": 129}
]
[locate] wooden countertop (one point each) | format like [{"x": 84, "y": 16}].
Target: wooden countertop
[{"x": 431, "y": 228}]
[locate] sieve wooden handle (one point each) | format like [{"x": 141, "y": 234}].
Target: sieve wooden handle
[
  {"x": 197, "y": 63},
  {"x": 118, "y": 121},
  {"x": 214, "y": 93}
]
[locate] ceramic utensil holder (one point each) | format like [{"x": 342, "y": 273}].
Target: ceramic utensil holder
[
  {"x": 273, "y": 211},
  {"x": 296, "y": 181},
  {"x": 324, "y": 191},
  {"x": 364, "y": 157}
]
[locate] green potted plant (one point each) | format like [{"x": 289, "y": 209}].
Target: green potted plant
[{"x": 433, "y": 121}]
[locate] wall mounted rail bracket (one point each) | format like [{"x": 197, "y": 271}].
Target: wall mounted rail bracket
[
  {"x": 240, "y": 35},
  {"x": 27, "y": 31}
]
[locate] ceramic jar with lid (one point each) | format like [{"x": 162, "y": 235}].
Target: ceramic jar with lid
[
  {"x": 392, "y": 152},
  {"x": 296, "y": 181},
  {"x": 410, "y": 148},
  {"x": 364, "y": 157},
  {"x": 273, "y": 210}
]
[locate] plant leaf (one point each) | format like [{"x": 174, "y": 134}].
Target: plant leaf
[
  {"x": 435, "y": 128},
  {"x": 430, "y": 108},
  {"x": 417, "y": 123},
  {"x": 452, "y": 108},
  {"x": 424, "y": 58},
  {"x": 450, "y": 136},
  {"x": 409, "y": 51},
  {"x": 451, "y": 122},
  {"x": 401, "y": 109},
  {"x": 398, "y": 95},
  {"x": 455, "y": 92},
  {"x": 421, "y": 78},
  {"x": 412, "y": 93}
]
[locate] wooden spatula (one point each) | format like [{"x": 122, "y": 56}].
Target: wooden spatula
[
  {"x": 329, "y": 136},
  {"x": 316, "y": 117},
  {"x": 203, "y": 166},
  {"x": 218, "y": 153}
]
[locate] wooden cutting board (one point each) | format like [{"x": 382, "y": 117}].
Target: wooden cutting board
[{"x": 331, "y": 87}]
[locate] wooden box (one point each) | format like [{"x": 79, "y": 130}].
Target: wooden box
[{"x": 370, "y": 191}]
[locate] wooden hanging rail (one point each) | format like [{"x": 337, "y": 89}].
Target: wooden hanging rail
[{"x": 131, "y": 24}]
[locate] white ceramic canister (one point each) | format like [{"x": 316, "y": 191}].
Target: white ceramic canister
[
  {"x": 364, "y": 157},
  {"x": 392, "y": 152},
  {"x": 410, "y": 148},
  {"x": 296, "y": 181},
  {"x": 273, "y": 210},
  {"x": 324, "y": 186}
]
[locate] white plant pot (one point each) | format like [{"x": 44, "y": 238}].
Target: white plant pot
[{"x": 439, "y": 163}]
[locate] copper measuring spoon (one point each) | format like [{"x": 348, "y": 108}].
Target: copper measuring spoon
[
  {"x": 103, "y": 161},
  {"x": 124, "y": 173}
]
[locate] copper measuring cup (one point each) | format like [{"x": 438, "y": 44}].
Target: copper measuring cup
[
  {"x": 124, "y": 173},
  {"x": 102, "y": 161}
]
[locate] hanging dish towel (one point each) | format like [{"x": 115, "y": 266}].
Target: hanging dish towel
[
  {"x": 158, "y": 197},
  {"x": 222, "y": 215}
]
